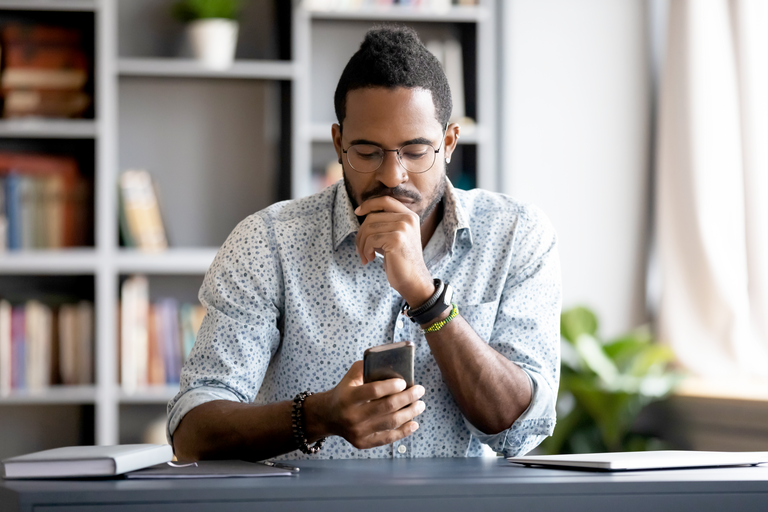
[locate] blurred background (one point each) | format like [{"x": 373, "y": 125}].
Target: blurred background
[{"x": 135, "y": 134}]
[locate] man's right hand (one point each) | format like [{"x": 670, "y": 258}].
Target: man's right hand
[{"x": 366, "y": 415}]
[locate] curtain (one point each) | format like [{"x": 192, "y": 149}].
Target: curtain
[{"x": 712, "y": 187}]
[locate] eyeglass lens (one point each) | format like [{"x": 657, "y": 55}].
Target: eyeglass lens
[{"x": 416, "y": 158}]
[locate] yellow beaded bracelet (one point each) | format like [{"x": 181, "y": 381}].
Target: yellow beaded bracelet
[{"x": 439, "y": 325}]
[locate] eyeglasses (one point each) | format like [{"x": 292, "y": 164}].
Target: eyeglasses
[{"x": 415, "y": 158}]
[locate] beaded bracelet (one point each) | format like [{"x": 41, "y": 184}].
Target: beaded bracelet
[
  {"x": 297, "y": 422},
  {"x": 439, "y": 325}
]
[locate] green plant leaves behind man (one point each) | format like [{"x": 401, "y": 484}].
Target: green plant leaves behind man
[
  {"x": 604, "y": 386},
  {"x": 191, "y": 10}
]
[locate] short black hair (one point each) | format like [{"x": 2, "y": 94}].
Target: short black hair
[{"x": 394, "y": 56}]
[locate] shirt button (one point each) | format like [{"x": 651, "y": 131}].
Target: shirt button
[
  {"x": 401, "y": 448},
  {"x": 399, "y": 323}
]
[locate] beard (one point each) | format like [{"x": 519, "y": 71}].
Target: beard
[{"x": 397, "y": 192}]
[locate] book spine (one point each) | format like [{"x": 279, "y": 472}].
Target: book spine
[
  {"x": 13, "y": 200},
  {"x": 5, "y": 348},
  {"x": 18, "y": 373}
]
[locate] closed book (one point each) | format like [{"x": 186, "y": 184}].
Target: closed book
[
  {"x": 80, "y": 461},
  {"x": 5, "y": 347},
  {"x": 156, "y": 369},
  {"x": 38, "y": 340},
  {"x": 63, "y": 79},
  {"x": 134, "y": 348},
  {"x": 23, "y": 103},
  {"x": 13, "y": 205},
  {"x": 18, "y": 359},
  {"x": 35, "y": 33},
  {"x": 168, "y": 311},
  {"x": 142, "y": 211},
  {"x": 37, "y": 56},
  {"x": 84, "y": 342},
  {"x": 68, "y": 344}
]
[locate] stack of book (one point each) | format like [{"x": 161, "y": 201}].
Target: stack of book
[
  {"x": 44, "y": 72},
  {"x": 44, "y": 202},
  {"x": 141, "y": 225},
  {"x": 155, "y": 338},
  {"x": 42, "y": 345}
]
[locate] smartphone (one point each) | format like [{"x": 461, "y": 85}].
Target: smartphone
[{"x": 389, "y": 361}]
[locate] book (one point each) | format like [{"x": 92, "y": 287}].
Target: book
[
  {"x": 85, "y": 461},
  {"x": 38, "y": 327},
  {"x": 169, "y": 314},
  {"x": 191, "y": 320},
  {"x": 142, "y": 211},
  {"x": 47, "y": 201},
  {"x": 68, "y": 344},
  {"x": 84, "y": 342},
  {"x": 5, "y": 348},
  {"x": 22, "y": 103},
  {"x": 25, "y": 33},
  {"x": 156, "y": 369},
  {"x": 134, "y": 343},
  {"x": 18, "y": 343}
]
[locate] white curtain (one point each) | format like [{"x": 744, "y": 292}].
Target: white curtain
[{"x": 712, "y": 187}]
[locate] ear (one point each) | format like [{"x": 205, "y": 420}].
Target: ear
[
  {"x": 336, "y": 135},
  {"x": 451, "y": 139}
]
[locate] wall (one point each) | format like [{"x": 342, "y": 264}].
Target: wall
[{"x": 575, "y": 130}]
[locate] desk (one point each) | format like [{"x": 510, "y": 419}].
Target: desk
[{"x": 422, "y": 485}]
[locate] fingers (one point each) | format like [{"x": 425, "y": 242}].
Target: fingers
[
  {"x": 384, "y": 231},
  {"x": 394, "y": 403},
  {"x": 396, "y": 419},
  {"x": 388, "y": 436},
  {"x": 381, "y": 203},
  {"x": 376, "y": 390}
]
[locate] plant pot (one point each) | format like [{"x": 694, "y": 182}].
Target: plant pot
[{"x": 213, "y": 41}]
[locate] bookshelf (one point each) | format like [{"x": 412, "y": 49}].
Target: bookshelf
[{"x": 220, "y": 145}]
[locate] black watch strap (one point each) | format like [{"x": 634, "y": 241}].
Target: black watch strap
[{"x": 434, "y": 307}]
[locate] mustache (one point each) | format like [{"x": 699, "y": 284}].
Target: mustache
[{"x": 397, "y": 192}]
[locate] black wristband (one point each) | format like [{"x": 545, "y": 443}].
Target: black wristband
[
  {"x": 441, "y": 302},
  {"x": 430, "y": 301}
]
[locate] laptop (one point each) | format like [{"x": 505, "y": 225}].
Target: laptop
[{"x": 629, "y": 461}]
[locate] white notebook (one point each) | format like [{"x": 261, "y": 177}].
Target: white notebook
[
  {"x": 662, "y": 459},
  {"x": 79, "y": 461}
]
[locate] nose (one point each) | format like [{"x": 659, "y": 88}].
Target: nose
[{"x": 391, "y": 173}]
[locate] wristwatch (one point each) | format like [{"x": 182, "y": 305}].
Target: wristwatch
[{"x": 434, "y": 307}]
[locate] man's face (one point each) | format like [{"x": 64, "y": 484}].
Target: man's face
[{"x": 391, "y": 118}]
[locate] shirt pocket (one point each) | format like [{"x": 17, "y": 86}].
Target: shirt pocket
[{"x": 481, "y": 317}]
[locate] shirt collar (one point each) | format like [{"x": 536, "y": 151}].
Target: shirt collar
[{"x": 455, "y": 220}]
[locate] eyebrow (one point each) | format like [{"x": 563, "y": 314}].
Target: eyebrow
[{"x": 417, "y": 140}]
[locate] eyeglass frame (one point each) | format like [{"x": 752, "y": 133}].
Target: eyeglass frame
[{"x": 399, "y": 157}]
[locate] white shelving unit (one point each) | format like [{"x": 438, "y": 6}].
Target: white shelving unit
[{"x": 131, "y": 78}]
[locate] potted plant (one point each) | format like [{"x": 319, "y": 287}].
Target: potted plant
[
  {"x": 605, "y": 385},
  {"x": 211, "y": 28}
]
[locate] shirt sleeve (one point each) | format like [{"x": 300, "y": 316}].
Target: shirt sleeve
[
  {"x": 527, "y": 331},
  {"x": 243, "y": 295}
]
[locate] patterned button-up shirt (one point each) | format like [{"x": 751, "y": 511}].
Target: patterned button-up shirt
[{"x": 290, "y": 307}]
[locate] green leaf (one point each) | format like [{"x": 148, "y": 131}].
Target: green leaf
[
  {"x": 577, "y": 321},
  {"x": 591, "y": 351},
  {"x": 190, "y": 10}
]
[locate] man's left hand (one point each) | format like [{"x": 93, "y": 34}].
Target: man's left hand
[{"x": 394, "y": 231}]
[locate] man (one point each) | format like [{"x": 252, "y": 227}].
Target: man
[{"x": 301, "y": 289}]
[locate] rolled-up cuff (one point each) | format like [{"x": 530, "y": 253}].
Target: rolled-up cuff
[
  {"x": 190, "y": 400},
  {"x": 530, "y": 429}
]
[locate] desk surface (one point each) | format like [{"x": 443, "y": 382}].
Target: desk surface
[{"x": 408, "y": 484}]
